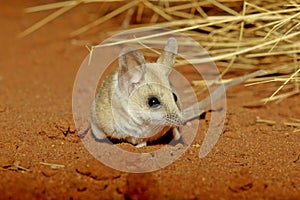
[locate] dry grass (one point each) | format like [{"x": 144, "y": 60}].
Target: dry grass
[{"x": 239, "y": 35}]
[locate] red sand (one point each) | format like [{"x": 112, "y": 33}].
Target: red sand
[{"x": 250, "y": 160}]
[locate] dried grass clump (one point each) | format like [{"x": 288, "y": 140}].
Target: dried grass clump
[{"x": 239, "y": 35}]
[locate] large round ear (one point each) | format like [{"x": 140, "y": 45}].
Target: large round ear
[
  {"x": 168, "y": 57},
  {"x": 130, "y": 58},
  {"x": 131, "y": 68}
]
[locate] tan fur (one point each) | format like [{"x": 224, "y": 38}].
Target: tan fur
[{"x": 121, "y": 108}]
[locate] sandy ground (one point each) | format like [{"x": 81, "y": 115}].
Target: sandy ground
[{"x": 250, "y": 160}]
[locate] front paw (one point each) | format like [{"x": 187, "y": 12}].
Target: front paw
[
  {"x": 143, "y": 144},
  {"x": 176, "y": 133}
]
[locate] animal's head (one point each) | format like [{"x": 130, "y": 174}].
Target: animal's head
[{"x": 151, "y": 98}]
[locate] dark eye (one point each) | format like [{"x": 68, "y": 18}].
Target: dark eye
[
  {"x": 153, "y": 102},
  {"x": 175, "y": 97}
]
